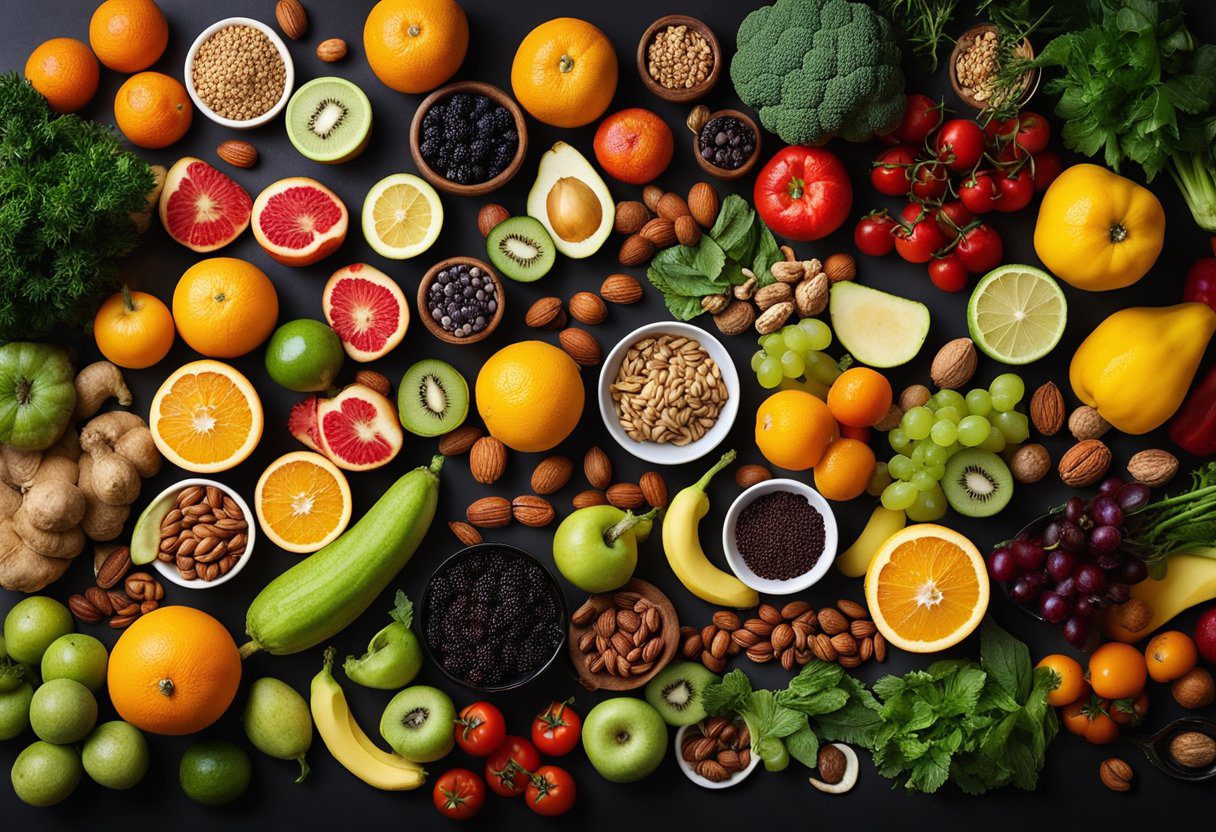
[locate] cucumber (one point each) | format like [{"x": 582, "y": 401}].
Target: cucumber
[{"x": 320, "y": 596}]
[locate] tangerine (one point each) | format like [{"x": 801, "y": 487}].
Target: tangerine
[
  {"x": 634, "y": 146},
  {"x": 128, "y": 35},
  {"x": 224, "y": 307},
  {"x": 1117, "y": 671},
  {"x": 1170, "y": 655},
  {"x": 133, "y": 329},
  {"x": 65, "y": 71},
  {"x": 152, "y": 110},
  {"x": 844, "y": 470},
  {"x": 860, "y": 397},
  {"x": 794, "y": 429},
  {"x": 529, "y": 395},
  {"x": 415, "y": 45},
  {"x": 564, "y": 72}
]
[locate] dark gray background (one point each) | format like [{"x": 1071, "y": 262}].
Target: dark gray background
[{"x": 1069, "y": 783}]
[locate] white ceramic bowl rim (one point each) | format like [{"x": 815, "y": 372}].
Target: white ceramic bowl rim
[
  {"x": 289, "y": 78},
  {"x": 169, "y": 571},
  {"x": 738, "y": 777}
]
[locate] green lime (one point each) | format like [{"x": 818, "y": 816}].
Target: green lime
[
  {"x": 15, "y": 711},
  {"x": 45, "y": 774},
  {"x": 116, "y": 755},
  {"x": 62, "y": 711},
  {"x": 32, "y": 624},
  {"x": 1017, "y": 314},
  {"x": 214, "y": 772},
  {"x": 78, "y": 657},
  {"x": 304, "y": 355}
]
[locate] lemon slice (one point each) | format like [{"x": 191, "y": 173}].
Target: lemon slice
[
  {"x": 1017, "y": 314},
  {"x": 402, "y": 216}
]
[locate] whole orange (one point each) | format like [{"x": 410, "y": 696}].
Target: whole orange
[
  {"x": 564, "y": 72},
  {"x": 133, "y": 329},
  {"x": 860, "y": 397},
  {"x": 128, "y": 35},
  {"x": 174, "y": 671},
  {"x": 529, "y": 395},
  {"x": 844, "y": 470},
  {"x": 634, "y": 146},
  {"x": 1170, "y": 655},
  {"x": 152, "y": 110},
  {"x": 1117, "y": 671},
  {"x": 224, "y": 307},
  {"x": 793, "y": 429},
  {"x": 65, "y": 72},
  {"x": 415, "y": 45}
]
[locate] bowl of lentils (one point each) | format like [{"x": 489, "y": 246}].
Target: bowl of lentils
[
  {"x": 460, "y": 300},
  {"x": 239, "y": 73},
  {"x": 726, "y": 142},
  {"x": 780, "y": 536},
  {"x": 468, "y": 138},
  {"x": 679, "y": 58}
]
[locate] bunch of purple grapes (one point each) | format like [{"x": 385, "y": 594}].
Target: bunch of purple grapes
[{"x": 1077, "y": 564}]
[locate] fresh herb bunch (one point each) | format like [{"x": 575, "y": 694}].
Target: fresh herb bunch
[
  {"x": 1185, "y": 522},
  {"x": 67, "y": 192},
  {"x": 923, "y": 23}
]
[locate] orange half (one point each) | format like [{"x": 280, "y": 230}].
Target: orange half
[
  {"x": 302, "y": 501},
  {"x": 206, "y": 417},
  {"x": 927, "y": 588}
]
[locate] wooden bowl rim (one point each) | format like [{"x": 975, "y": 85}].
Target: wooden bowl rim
[
  {"x": 671, "y": 640},
  {"x": 691, "y": 93},
  {"x": 723, "y": 173},
  {"x": 965, "y": 39},
  {"x": 429, "y": 277}
]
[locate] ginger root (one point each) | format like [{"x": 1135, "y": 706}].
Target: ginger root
[
  {"x": 115, "y": 478},
  {"x": 96, "y": 383}
]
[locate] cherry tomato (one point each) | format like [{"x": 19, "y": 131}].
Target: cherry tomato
[
  {"x": 1170, "y": 655},
  {"x": 1200, "y": 286},
  {"x": 1046, "y": 166},
  {"x": 459, "y": 794},
  {"x": 1000, "y": 131},
  {"x": 508, "y": 766},
  {"x": 1129, "y": 711},
  {"x": 1016, "y": 190},
  {"x": 921, "y": 117},
  {"x": 1117, "y": 671},
  {"x": 480, "y": 728},
  {"x": 889, "y": 173},
  {"x": 1087, "y": 717},
  {"x": 920, "y": 235},
  {"x": 556, "y": 730},
  {"x": 1071, "y": 677},
  {"x": 929, "y": 181},
  {"x": 980, "y": 249},
  {"x": 550, "y": 791},
  {"x": 1033, "y": 132},
  {"x": 953, "y": 217},
  {"x": 979, "y": 193},
  {"x": 948, "y": 273},
  {"x": 873, "y": 235},
  {"x": 959, "y": 144}
]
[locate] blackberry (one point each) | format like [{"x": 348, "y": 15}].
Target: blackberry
[
  {"x": 461, "y": 104},
  {"x": 481, "y": 104},
  {"x": 460, "y": 154},
  {"x": 456, "y": 129},
  {"x": 429, "y": 148},
  {"x": 480, "y": 150},
  {"x": 502, "y": 120},
  {"x": 432, "y": 119}
]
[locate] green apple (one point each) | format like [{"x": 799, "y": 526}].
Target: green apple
[
  {"x": 393, "y": 656},
  {"x": 15, "y": 711},
  {"x": 31, "y": 626},
  {"x": 625, "y": 739},
  {"x": 418, "y": 724},
  {"x": 596, "y": 548},
  {"x": 78, "y": 657}
]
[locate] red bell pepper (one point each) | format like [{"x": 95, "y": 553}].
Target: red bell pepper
[
  {"x": 1194, "y": 426},
  {"x": 803, "y": 193},
  {"x": 1200, "y": 283}
]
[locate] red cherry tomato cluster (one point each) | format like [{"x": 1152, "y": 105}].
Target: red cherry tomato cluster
[
  {"x": 952, "y": 171},
  {"x": 513, "y": 764}
]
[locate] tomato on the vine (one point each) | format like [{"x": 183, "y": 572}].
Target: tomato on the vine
[
  {"x": 980, "y": 248},
  {"x": 919, "y": 235},
  {"x": 873, "y": 234},
  {"x": 1087, "y": 717},
  {"x": 890, "y": 173},
  {"x": 1200, "y": 286},
  {"x": 1016, "y": 190},
  {"x": 1033, "y": 132},
  {"x": 959, "y": 145},
  {"x": 556, "y": 729},
  {"x": 921, "y": 117},
  {"x": 948, "y": 273},
  {"x": 1046, "y": 167},
  {"x": 508, "y": 766},
  {"x": 550, "y": 791},
  {"x": 979, "y": 193},
  {"x": 480, "y": 728},
  {"x": 929, "y": 181},
  {"x": 953, "y": 217},
  {"x": 459, "y": 794},
  {"x": 1129, "y": 711}
]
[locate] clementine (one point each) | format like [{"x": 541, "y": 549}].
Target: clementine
[
  {"x": 844, "y": 470},
  {"x": 634, "y": 146},
  {"x": 794, "y": 429},
  {"x": 225, "y": 307},
  {"x": 152, "y": 110},
  {"x": 415, "y": 45},
  {"x": 65, "y": 72},
  {"x": 128, "y": 35},
  {"x": 1170, "y": 655},
  {"x": 133, "y": 329},
  {"x": 564, "y": 72},
  {"x": 529, "y": 395},
  {"x": 860, "y": 397}
]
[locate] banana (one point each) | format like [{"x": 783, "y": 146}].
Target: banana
[
  {"x": 1189, "y": 580},
  {"x": 682, "y": 544},
  {"x": 348, "y": 743},
  {"x": 883, "y": 523}
]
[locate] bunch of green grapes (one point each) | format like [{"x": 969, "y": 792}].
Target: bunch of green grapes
[
  {"x": 929, "y": 435},
  {"x": 794, "y": 351}
]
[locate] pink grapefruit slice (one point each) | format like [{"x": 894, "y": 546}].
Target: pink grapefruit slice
[
  {"x": 359, "y": 429},
  {"x": 302, "y": 422},
  {"x": 299, "y": 221},
  {"x": 367, "y": 309},
  {"x": 202, "y": 208}
]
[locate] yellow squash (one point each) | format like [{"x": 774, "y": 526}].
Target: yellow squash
[
  {"x": 1137, "y": 365},
  {"x": 1098, "y": 230},
  {"x": 1189, "y": 580}
]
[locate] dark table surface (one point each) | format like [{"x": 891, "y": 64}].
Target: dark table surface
[{"x": 1069, "y": 783}]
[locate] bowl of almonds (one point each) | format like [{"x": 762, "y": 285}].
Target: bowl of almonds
[
  {"x": 620, "y": 640},
  {"x": 204, "y": 535},
  {"x": 716, "y": 753}
]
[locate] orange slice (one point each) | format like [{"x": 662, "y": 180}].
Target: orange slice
[
  {"x": 302, "y": 501},
  {"x": 206, "y": 417},
  {"x": 927, "y": 588}
]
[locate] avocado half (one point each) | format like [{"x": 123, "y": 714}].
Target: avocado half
[{"x": 572, "y": 202}]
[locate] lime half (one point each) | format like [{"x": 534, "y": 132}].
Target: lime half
[
  {"x": 402, "y": 216},
  {"x": 1017, "y": 314}
]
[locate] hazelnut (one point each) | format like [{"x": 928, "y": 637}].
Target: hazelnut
[
  {"x": 1134, "y": 615},
  {"x": 914, "y": 396},
  {"x": 1030, "y": 463},
  {"x": 831, "y": 764},
  {"x": 1194, "y": 689},
  {"x": 1086, "y": 423}
]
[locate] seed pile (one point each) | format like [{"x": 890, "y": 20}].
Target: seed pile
[
  {"x": 462, "y": 299},
  {"x": 238, "y": 73},
  {"x": 780, "y": 535},
  {"x": 977, "y": 64},
  {"x": 468, "y": 139},
  {"x": 668, "y": 390},
  {"x": 726, "y": 142},
  {"x": 204, "y": 535},
  {"x": 679, "y": 58}
]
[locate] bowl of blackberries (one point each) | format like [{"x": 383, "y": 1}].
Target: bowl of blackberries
[
  {"x": 460, "y": 300},
  {"x": 493, "y": 617},
  {"x": 468, "y": 138},
  {"x": 726, "y": 142}
]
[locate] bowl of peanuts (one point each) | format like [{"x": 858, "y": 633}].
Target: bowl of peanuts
[
  {"x": 203, "y": 533},
  {"x": 239, "y": 73}
]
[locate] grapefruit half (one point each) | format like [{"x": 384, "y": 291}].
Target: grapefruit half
[{"x": 299, "y": 221}]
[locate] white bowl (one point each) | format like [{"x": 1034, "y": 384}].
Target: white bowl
[
  {"x": 666, "y": 453},
  {"x": 735, "y": 559},
  {"x": 289, "y": 68},
  {"x": 169, "y": 570},
  {"x": 704, "y": 783}
]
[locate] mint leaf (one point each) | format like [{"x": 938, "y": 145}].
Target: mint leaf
[
  {"x": 1006, "y": 660},
  {"x": 803, "y": 746},
  {"x": 734, "y": 227},
  {"x": 403, "y": 609},
  {"x": 731, "y": 695}
]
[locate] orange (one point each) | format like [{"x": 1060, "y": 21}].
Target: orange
[
  {"x": 128, "y": 35},
  {"x": 415, "y": 45},
  {"x": 302, "y": 501},
  {"x": 206, "y": 417},
  {"x": 844, "y": 470},
  {"x": 529, "y": 395},
  {"x": 860, "y": 397},
  {"x": 564, "y": 72},
  {"x": 174, "y": 671},
  {"x": 1170, "y": 655},
  {"x": 793, "y": 429},
  {"x": 1117, "y": 671},
  {"x": 927, "y": 588},
  {"x": 133, "y": 329},
  {"x": 65, "y": 72},
  {"x": 225, "y": 307},
  {"x": 634, "y": 146},
  {"x": 152, "y": 110},
  {"x": 1072, "y": 679}
]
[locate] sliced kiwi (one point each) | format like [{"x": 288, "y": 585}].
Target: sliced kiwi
[
  {"x": 675, "y": 692},
  {"x": 329, "y": 120},
  {"x": 433, "y": 398},
  {"x": 977, "y": 483},
  {"x": 521, "y": 248}
]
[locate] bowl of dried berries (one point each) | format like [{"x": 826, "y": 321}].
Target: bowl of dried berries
[
  {"x": 239, "y": 73},
  {"x": 679, "y": 58},
  {"x": 780, "y": 536},
  {"x": 726, "y": 142},
  {"x": 716, "y": 753},
  {"x": 460, "y": 300},
  {"x": 203, "y": 534}
]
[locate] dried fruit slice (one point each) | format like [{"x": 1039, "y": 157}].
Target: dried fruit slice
[
  {"x": 367, "y": 309},
  {"x": 299, "y": 221},
  {"x": 359, "y": 429},
  {"x": 202, "y": 208},
  {"x": 302, "y": 501},
  {"x": 302, "y": 422},
  {"x": 206, "y": 417}
]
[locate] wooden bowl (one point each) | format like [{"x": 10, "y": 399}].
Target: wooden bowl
[
  {"x": 430, "y": 323},
  {"x": 1031, "y": 79},
  {"x": 714, "y": 170},
  {"x": 604, "y": 600},
  {"x": 473, "y": 88},
  {"x": 682, "y": 95}
]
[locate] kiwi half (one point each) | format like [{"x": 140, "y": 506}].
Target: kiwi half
[
  {"x": 329, "y": 120},
  {"x": 977, "y": 483},
  {"x": 433, "y": 398},
  {"x": 675, "y": 692},
  {"x": 521, "y": 248}
]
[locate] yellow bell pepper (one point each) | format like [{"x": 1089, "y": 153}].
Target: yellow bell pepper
[
  {"x": 1137, "y": 365},
  {"x": 1097, "y": 230}
]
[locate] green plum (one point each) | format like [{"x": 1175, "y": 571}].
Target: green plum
[
  {"x": 76, "y": 656},
  {"x": 15, "y": 711},
  {"x": 393, "y": 656},
  {"x": 596, "y": 548},
  {"x": 32, "y": 624}
]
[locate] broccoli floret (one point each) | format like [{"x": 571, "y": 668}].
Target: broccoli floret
[{"x": 814, "y": 69}]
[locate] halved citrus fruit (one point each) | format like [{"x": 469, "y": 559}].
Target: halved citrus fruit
[
  {"x": 927, "y": 588},
  {"x": 299, "y": 221},
  {"x": 302, "y": 501},
  {"x": 206, "y": 417},
  {"x": 402, "y": 216},
  {"x": 1017, "y": 314}
]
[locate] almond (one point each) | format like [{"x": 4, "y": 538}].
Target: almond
[
  {"x": 625, "y": 495},
  {"x": 630, "y": 217},
  {"x": 852, "y": 609},
  {"x": 654, "y": 489},
  {"x": 293, "y": 20},
  {"x": 237, "y": 153},
  {"x": 532, "y": 511},
  {"x": 769, "y": 614},
  {"x": 459, "y": 440},
  {"x": 490, "y": 215},
  {"x": 621, "y": 288},
  {"x": 1085, "y": 463},
  {"x": 954, "y": 364},
  {"x": 331, "y": 50},
  {"x": 862, "y": 628},
  {"x": 793, "y": 609},
  {"x": 783, "y": 637},
  {"x": 489, "y": 512},
  {"x": 687, "y": 230},
  {"x": 546, "y": 313},
  {"x": 551, "y": 474},
  {"x": 691, "y": 646},
  {"x": 749, "y": 475},
  {"x": 727, "y": 620},
  {"x": 703, "y": 204},
  {"x": 744, "y": 638},
  {"x": 758, "y": 626},
  {"x": 114, "y": 568},
  {"x": 487, "y": 460},
  {"x": 736, "y": 318},
  {"x": 712, "y": 662},
  {"x": 721, "y": 641},
  {"x": 635, "y": 251},
  {"x": 760, "y": 653},
  {"x": 82, "y": 609},
  {"x": 590, "y": 497},
  {"x": 1047, "y": 409},
  {"x": 1154, "y": 467},
  {"x": 580, "y": 345},
  {"x": 671, "y": 206},
  {"x": 587, "y": 308},
  {"x": 374, "y": 381},
  {"x": 831, "y": 621},
  {"x": 840, "y": 267},
  {"x": 465, "y": 533},
  {"x": 660, "y": 231},
  {"x": 822, "y": 647},
  {"x": 651, "y": 194},
  {"x": 597, "y": 468},
  {"x": 880, "y": 648}
]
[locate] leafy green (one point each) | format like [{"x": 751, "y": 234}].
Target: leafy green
[
  {"x": 766, "y": 718},
  {"x": 1185, "y": 522}
]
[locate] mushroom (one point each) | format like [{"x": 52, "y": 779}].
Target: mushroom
[{"x": 838, "y": 767}]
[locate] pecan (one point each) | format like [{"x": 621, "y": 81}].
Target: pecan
[
  {"x": 82, "y": 609},
  {"x": 114, "y": 567}
]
